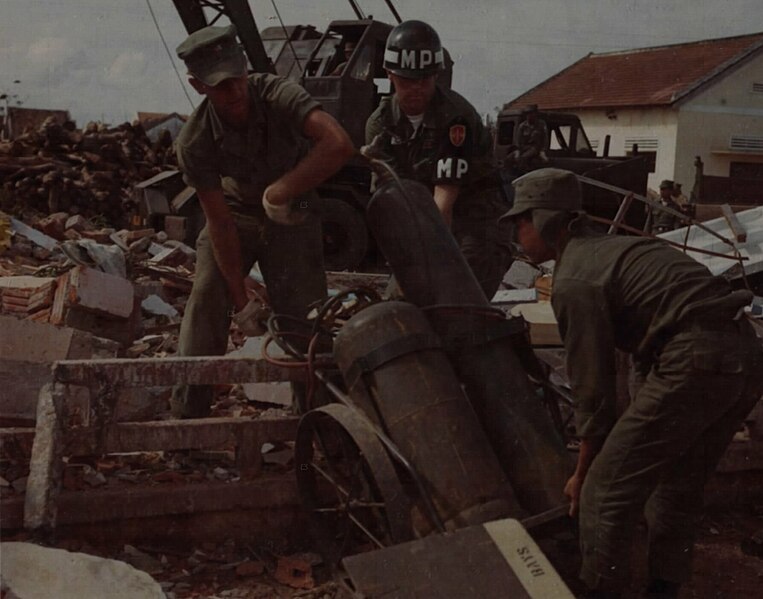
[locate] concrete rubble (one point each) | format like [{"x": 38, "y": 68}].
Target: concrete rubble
[
  {"x": 32, "y": 571},
  {"x": 74, "y": 288}
]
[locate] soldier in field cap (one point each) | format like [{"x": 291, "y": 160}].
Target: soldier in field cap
[
  {"x": 663, "y": 221},
  {"x": 247, "y": 150},
  {"x": 531, "y": 139},
  {"x": 701, "y": 363}
]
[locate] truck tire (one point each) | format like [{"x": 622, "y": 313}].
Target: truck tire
[{"x": 345, "y": 236}]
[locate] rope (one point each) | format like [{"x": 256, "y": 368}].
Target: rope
[
  {"x": 169, "y": 54},
  {"x": 288, "y": 37}
]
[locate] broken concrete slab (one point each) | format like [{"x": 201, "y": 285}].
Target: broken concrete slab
[
  {"x": 29, "y": 570},
  {"x": 275, "y": 393},
  {"x": 97, "y": 292},
  {"x": 33, "y": 235},
  {"x": 26, "y": 354},
  {"x": 154, "y": 304},
  {"x": 78, "y": 223}
]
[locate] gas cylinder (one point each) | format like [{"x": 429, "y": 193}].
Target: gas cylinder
[
  {"x": 398, "y": 375},
  {"x": 433, "y": 275}
]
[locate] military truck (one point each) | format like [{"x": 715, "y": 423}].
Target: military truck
[{"x": 570, "y": 149}]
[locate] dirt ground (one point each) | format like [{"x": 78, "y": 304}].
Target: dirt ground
[
  {"x": 251, "y": 571},
  {"x": 721, "y": 569}
]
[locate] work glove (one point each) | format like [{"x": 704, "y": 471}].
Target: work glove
[
  {"x": 284, "y": 214},
  {"x": 252, "y": 318}
]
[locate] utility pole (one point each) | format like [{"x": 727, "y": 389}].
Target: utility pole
[{"x": 6, "y": 97}]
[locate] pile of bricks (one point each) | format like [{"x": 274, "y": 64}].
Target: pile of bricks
[{"x": 27, "y": 297}]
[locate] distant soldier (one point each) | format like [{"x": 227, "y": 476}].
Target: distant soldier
[
  {"x": 531, "y": 140},
  {"x": 678, "y": 195},
  {"x": 348, "y": 49},
  {"x": 663, "y": 221},
  {"x": 434, "y": 136}
]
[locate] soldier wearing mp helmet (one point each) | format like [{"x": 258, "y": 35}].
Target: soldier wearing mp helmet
[{"x": 434, "y": 136}]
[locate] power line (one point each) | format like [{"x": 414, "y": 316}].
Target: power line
[
  {"x": 169, "y": 54},
  {"x": 288, "y": 37}
]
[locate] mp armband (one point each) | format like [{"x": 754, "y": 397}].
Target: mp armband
[{"x": 451, "y": 169}]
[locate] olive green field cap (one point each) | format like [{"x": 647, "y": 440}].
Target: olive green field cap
[
  {"x": 212, "y": 54},
  {"x": 545, "y": 189}
]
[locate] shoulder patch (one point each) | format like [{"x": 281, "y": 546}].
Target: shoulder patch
[{"x": 457, "y": 135}]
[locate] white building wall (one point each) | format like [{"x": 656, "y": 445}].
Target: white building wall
[
  {"x": 648, "y": 125},
  {"x": 729, "y": 108}
]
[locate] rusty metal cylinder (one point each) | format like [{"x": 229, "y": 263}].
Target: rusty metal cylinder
[
  {"x": 432, "y": 273},
  {"x": 398, "y": 375},
  {"x": 428, "y": 265}
]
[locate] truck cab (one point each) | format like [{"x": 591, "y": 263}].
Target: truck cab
[{"x": 569, "y": 148}]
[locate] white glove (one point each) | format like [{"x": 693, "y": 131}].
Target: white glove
[
  {"x": 252, "y": 317},
  {"x": 283, "y": 213}
]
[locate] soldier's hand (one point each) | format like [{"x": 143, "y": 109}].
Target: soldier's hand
[
  {"x": 572, "y": 490},
  {"x": 281, "y": 210},
  {"x": 252, "y": 318}
]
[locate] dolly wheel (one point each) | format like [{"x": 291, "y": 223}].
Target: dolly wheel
[{"x": 349, "y": 485}]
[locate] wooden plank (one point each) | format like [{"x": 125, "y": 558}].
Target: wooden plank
[
  {"x": 621, "y": 211},
  {"x": 104, "y": 505},
  {"x": 150, "y": 372},
  {"x": 738, "y": 230},
  {"x": 170, "y": 435}
]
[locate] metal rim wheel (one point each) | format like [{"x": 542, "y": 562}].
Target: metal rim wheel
[{"x": 349, "y": 484}]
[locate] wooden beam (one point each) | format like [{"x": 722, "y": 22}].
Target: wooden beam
[
  {"x": 740, "y": 234},
  {"x": 148, "y": 372},
  {"x": 133, "y": 501}
]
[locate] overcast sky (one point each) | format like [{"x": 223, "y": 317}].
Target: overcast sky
[{"x": 104, "y": 59}]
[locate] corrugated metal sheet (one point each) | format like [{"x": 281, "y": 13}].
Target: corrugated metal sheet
[{"x": 752, "y": 249}]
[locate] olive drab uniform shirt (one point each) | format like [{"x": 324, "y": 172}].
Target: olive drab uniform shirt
[
  {"x": 663, "y": 221},
  {"x": 632, "y": 294},
  {"x": 450, "y": 147},
  {"x": 213, "y": 155}
]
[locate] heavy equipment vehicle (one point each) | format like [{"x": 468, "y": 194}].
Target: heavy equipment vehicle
[{"x": 311, "y": 57}]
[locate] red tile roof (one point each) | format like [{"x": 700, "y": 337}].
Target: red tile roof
[{"x": 643, "y": 77}]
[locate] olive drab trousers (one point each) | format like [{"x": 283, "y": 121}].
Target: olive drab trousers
[
  {"x": 291, "y": 261},
  {"x": 659, "y": 454},
  {"x": 484, "y": 242}
]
